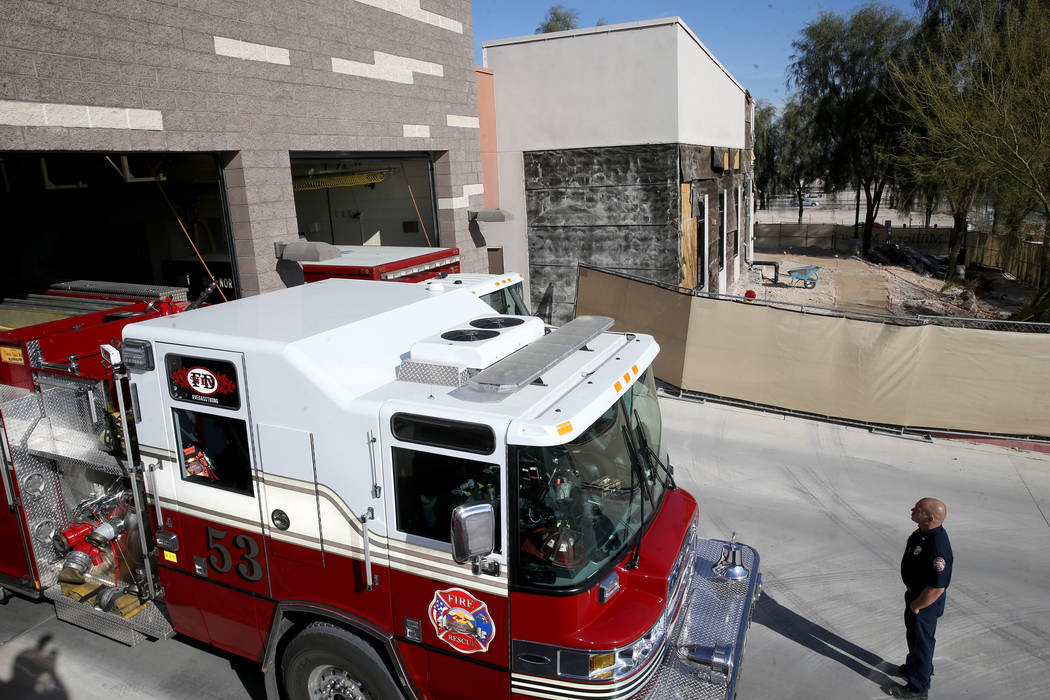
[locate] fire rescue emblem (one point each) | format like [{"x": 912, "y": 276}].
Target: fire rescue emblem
[
  {"x": 461, "y": 620},
  {"x": 938, "y": 563}
]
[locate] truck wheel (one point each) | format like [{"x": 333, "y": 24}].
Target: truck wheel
[{"x": 325, "y": 662}]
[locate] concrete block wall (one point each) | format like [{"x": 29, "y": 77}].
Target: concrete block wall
[{"x": 254, "y": 81}]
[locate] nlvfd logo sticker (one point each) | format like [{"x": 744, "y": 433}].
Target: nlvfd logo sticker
[
  {"x": 461, "y": 620},
  {"x": 203, "y": 380}
]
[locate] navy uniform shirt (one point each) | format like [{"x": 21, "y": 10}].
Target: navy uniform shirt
[{"x": 927, "y": 560}]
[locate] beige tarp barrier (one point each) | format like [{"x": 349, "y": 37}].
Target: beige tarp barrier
[{"x": 918, "y": 376}]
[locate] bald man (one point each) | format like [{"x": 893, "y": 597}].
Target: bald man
[{"x": 926, "y": 570}]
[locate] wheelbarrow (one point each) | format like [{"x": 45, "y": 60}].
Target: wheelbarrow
[{"x": 807, "y": 275}]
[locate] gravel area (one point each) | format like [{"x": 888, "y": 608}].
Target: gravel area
[{"x": 854, "y": 283}]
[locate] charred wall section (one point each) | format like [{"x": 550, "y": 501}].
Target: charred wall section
[
  {"x": 712, "y": 172},
  {"x": 615, "y": 207}
]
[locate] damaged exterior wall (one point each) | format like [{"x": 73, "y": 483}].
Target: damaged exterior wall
[
  {"x": 627, "y": 208},
  {"x": 609, "y": 207},
  {"x": 607, "y": 136}
]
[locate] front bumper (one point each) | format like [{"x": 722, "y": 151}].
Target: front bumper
[{"x": 706, "y": 646}]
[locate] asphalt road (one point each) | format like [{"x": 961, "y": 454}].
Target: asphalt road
[{"x": 828, "y": 509}]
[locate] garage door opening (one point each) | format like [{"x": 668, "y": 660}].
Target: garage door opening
[
  {"x": 365, "y": 199},
  {"x": 113, "y": 217}
]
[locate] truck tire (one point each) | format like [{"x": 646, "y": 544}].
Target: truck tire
[{"x": 326, "y": 662}]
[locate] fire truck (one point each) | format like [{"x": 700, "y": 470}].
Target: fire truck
[
  {"x": 311, "y": 261},
  {"x": 374, "y": 490},
  {"x": 374, "y": 262}
]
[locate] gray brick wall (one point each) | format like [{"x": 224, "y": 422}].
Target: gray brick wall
[{"x": 160, "y": 55}]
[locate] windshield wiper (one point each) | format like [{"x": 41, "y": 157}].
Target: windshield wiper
[
  {"x": 650, "y": 453},
  {"x": 636, "y": 464}
]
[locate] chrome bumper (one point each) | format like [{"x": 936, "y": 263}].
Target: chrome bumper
[{"x": 706, "y": 647}]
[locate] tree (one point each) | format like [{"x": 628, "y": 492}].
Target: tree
[
  {"x": 559, "y": 18},
  {"x": 840, "y": 69},
  {"x": 799, "y": 159},
  {"x": 980, "y": 92},
  {"x": 767, "y": 140}
]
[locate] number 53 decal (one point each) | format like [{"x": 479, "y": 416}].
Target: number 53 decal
[{"x": 221, "y": 561}]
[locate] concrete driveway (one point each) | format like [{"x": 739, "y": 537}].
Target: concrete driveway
[{"x": 828, "y": 509}]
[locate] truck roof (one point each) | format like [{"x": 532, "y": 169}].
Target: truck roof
[{"x": 349, "y": 338}]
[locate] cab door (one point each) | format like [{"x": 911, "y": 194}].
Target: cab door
[
  {"x": 15, "y": 567},
  {"x": 212, "y": 500},
  {"x": 458, "y": 618}
]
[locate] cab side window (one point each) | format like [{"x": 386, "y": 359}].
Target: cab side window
[
  {"x": 427, "y": 487},
  {"x": 213, "y": 450}
]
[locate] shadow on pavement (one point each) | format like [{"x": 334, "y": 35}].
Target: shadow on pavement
[
  {"x": 33, "y": 675},
  {"x": 790, "y": 624},
  {"x": 248, "y": 672}
]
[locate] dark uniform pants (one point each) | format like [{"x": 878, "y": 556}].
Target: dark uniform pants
[{"x": 921, "y": 631}]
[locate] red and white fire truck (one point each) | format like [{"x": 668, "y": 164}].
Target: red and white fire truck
[
  {"x": 377, "y": 491},
  {"x": 387, "y": 263}
]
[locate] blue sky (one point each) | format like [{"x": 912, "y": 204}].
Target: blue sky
[{"x": 752, "y": 38}]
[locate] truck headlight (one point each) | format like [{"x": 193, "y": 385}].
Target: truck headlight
[{"x": 613, "y": 665}]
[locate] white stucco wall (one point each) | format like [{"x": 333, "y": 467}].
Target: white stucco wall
[
  {"x": 710, "y": 102},
  {"x": 616, "y": 85},
  {"x": 585, "y": 88}
]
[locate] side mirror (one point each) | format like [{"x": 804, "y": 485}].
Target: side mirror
[{"x": 473, "y": 531}]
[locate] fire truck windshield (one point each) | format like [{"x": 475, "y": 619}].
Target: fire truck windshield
[{"x": 581, "y": 504}]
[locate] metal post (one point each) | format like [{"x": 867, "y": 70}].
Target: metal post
[
  {"x": 368, "y": 558},
  {"x": 136, "y": 484}
]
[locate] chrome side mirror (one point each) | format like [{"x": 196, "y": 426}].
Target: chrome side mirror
[{"x": 473, "y": 531}]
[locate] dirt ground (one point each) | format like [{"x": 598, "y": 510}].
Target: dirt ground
[{"x": 856, "y": 284}]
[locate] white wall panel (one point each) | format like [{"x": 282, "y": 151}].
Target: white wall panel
[
  {"x": 710, "y": 102},
  {"x": 588, "y": 89}
]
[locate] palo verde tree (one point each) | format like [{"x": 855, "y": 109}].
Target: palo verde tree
[
  {"x": 559, "y": 19},
  {"x": 840, "y": 71},
  {"x": 997, "y": 54}
]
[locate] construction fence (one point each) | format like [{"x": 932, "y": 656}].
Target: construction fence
[
  {"x": 843, "y": 238},
  {"x": 924, "y": 376},
  {"x": 1020, "y": 259}
]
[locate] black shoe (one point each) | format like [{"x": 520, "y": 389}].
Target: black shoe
[
  {"x": 908, "y": 691},
  {"x": 903, "y": 670}
]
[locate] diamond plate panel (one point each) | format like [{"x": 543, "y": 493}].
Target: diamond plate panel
[
  {"x": 126, "y": 290},
  {"x": 716, "y": 611},
  {"x": 38, "y": 483},
  {"x": 151, "y": 622},
  {"x": 427, "y": 373},
  {"x": 74, "y": 420},
  {"x": 87, "y": 617},
  {"x": 51, "y": 482}
]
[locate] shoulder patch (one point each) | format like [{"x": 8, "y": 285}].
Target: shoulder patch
[{"x": 939, "y": 564}]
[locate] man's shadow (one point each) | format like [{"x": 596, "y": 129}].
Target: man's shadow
[
  {"x": 790, "y": 624},
  {"x": 33, "y": 675}
]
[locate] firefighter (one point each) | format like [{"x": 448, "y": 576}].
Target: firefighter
[{"x": 926, "y": 570}]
